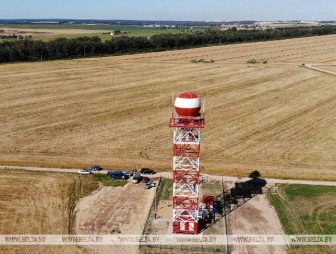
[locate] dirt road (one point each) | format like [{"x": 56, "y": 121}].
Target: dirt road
[
  {"x": 324, "y": 69},
  {"x": 206, "y": 177},
  {"x": 256, "y": 217}
]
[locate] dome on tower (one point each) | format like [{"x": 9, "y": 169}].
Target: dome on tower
[{"x": 188, "y": 104}]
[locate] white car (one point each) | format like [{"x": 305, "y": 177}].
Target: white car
[{"x": 84, "y": 172}]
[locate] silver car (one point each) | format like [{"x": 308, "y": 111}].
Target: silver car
[{"x": 84, "y": 172}]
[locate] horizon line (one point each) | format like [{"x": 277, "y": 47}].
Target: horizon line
[{"x": 168, "y": 20}]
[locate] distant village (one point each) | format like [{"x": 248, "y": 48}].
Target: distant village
[{"x": 239, "y": 25}]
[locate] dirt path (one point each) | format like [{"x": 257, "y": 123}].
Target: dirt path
[
  {"x": 206, "y": 177},
  {"x": 313, "y": 67},
  {"x": 256, "y": 217}
]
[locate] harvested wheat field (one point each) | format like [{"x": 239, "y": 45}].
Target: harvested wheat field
[
  {"x": 279, "y": 118},
  {"x": 292, "y": 51},
  {"x": 34, "y": 203}
]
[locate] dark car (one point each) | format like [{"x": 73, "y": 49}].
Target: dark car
[
  {"x": 148, "y": 185},
  {"x": 95, "y": 168},
  {"x": 116, "y": 174},
  {"x": 137, "y": 178},
  {"x": 147, "y": 171}
]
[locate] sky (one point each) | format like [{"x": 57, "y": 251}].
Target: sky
[{"x": 210, "y": 10}]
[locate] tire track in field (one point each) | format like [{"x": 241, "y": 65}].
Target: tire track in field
[
  {"x": 291, "y": 117},
  {"x": 320, "y": 69},
  {"x": 245, "y": 107}
]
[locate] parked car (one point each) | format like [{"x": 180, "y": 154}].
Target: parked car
[
  {"x": 117, "y": 174},
  {"x": 95, "y": 168},
  {"x": 129, "y": 173},
  {"x": 145, "y": 179},
  {"x": 147, "y": 171},
  {"x": 149, "y": 184},
  {"x": 137, "y": 178},
  {"x": 84, "y": 172}
]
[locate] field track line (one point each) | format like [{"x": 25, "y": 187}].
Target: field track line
[{"x": 309, "y": 66}]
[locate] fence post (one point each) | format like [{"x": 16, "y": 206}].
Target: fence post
[{"x": 228, "y": 251}]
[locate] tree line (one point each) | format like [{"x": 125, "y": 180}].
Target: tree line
[{"x": 62, "y": 48}]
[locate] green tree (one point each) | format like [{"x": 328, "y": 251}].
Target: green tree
[{"x": 255, "y": 174}]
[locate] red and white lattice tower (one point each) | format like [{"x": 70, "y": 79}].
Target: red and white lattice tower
[{"x": 187, "y": 123}]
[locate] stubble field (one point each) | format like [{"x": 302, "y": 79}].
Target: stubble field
[
  {"x": 33, "y": 203},
  {"x": 279, "y": 118}
]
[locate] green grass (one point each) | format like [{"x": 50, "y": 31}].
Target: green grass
[
  {"x": 105, "y": 37},
  {"x": 50, "y": 37},
  {"x": 79, "y": 187},
  {"x": 276, "y": 202},
  {"x": 308, "y": 191},
  {"x": 131, "y": 30},
  {"x": 107, "y": 181},
  {"x": 306, "y": 209},
  {"x": 166, "y": 189},
  {"x": 212, "y": 189}
]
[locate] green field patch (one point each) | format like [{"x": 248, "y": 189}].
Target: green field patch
[
  {"x": 308, "y": 191},
  {"x": 166, "y": 189},
  {"x": 306, "y": 210},
  {"x": 107, "y": 181}
]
